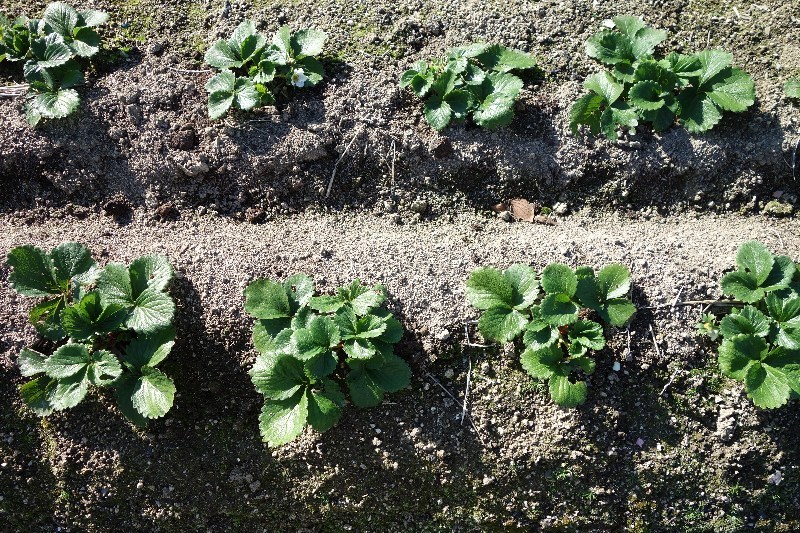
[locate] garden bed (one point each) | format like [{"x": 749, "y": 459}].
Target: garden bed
[{"x": 664, "y": 443}]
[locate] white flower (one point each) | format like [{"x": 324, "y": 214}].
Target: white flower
[{"x": 299, "y": 77}]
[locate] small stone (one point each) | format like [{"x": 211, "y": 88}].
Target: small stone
[
  {"x": 443, "y": 335},
  {"x": 616, "y": 366},
  {"x": 505, "y": 216},
  {"x": 775, "y": 479},
  {"x": 449, "y": 373},
  {"x": 419, "y": 206},
  {"x": 135, "y": 114}
]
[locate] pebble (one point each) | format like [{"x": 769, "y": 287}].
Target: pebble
[
  {"x": 443, "y": 335},
  {"x": 419, "y": 206}
]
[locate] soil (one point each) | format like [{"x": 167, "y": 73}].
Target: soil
[{"x": 663, "y": 444}]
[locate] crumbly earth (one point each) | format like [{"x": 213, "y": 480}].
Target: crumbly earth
[
  {"x": 664, "y": 444},
  {"x": 143, "y": 136}
]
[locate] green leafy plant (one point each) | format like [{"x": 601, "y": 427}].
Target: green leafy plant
[
  {"x": 761, "y": 334},
  {"x": 552, "y": 315},
  {"x": 253, "y": 72},
  {"x": 640, "y": 87},
  {"x": 470, "y": 80},
  {"x": 792, "y": 87},
  {"x": 50, "y": 48},
  {"x": 106, "y": 327},
  {"x": 313, "y": 347}
]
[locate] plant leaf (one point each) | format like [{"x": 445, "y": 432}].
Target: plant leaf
[
  {"x": 525, "y": 286},
  {"x": 737, "y": 353},
  {"x": 153, "y": 393},
  {"x": 566, "y": 393},
  {"x": 392, "y": 374},
  {"x": 282, "y": 421},
  {"x": 558, "y": 309},
  {"x": 768, "y": 387},
  {"x": 587, "y": 333},
  {"x": 613, "y": 281},
  {"x": 60, "y": 18},
  {"x": 792, "y": 87},
  {"x": 31, "y": 362},
  {"x": 266, "y": 299},
  {"x": 323, "y": 411},
  {"x": 308, "y": 42},
  {"x": 149, "y": 349},
  {"x": 50, "y": 52},
  {"x": 104, "y": 369},
  {"x": 67, "y": 360},
  {"x": 587, "y": 110},
  {"x": 34, "y": 273},
  {"x": 712, "y": 62},
  {"x": 92, "y": 18},
  {"x": 495, "y": 111},
  {"x": 438, "y": 113},
  {"x": 558, "y": 278},
  {"x": 278, "y": 378},
  {"x": 501, "y": 324},
  {"x": 70, "y": 390},
  {"x": 604, "y": 84},
  {"x": 88, "y": 317},
  {"x": 732, "y": 90},
  {"x": 646, "y": 95},
  {"x": 747, "y": 321},
  {"x": 610, "y": 47},
  {"x": 487, "y": 287},
  {"x": 37, "y": 394},
  {"x": 502, "y": 59},
  {"x": 55, "y": 104},
  {"x": 699, "y": 113},
  {"x": 363, "y": 390},
  {"x": 542, "y": 363},
  {"x": 150, "y": 271},
  {"x": 151, "y": 311}
]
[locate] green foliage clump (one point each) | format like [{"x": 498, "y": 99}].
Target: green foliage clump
[
  {"x": 106, "y": 327},
  {"x": 761, "y": 339},
  {"x": 792, "y": 87},
  {"x": 51, "y": 48},
  {"x": 310, "y": 347},
  {"x": 254, "y": 72},
  {"x": 694, "y": 89},
  {"x": 474, "y": 79},
  {"x": 551, "y": 314}
]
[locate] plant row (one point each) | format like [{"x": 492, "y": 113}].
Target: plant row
[
  {"x": 475, "y": 81},
  {"x": 112, "y": 327}
]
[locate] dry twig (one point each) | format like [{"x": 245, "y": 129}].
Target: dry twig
[
  {"x": 336, "y": 165},
  {"x": 471, "y": 421}
]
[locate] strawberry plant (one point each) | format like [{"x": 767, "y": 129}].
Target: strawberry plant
[
  {"x": 761, "y": 336},
  {"x": 313, "y": 348},
  {"x": 552, "y": 315},
  {"x": 253, "y": 72},
  {"x": 51, "y": 48},
  {"x": 694, "y": 89},
  {"x": 106, "y": 327},
  {"x": 470, "y": 80}
]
